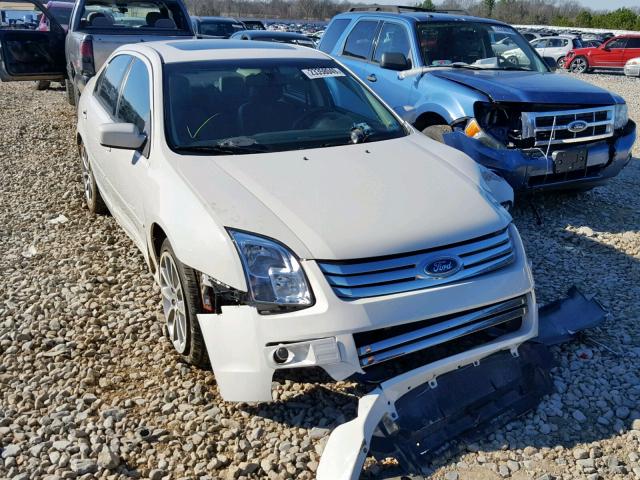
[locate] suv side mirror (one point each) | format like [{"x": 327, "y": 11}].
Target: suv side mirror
[
  {"x": 121, "y": 135},
  {"x": 551, "y": 63},
  {"x": 394, "y": 61}
]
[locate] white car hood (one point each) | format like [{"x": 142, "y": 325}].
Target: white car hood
[{"x": 349, "y": 202}]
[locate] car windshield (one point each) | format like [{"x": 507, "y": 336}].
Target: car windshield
[
  {"x": 132, "y": 16},
  {"x": 254, "y": 106},
  {"x": 219, "y": 29},
  {"x": 476, "y": 45}
]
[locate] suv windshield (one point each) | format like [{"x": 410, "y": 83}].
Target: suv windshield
[
  {"x": 476, "y": 45},
  {"x": 268, "y": 105},
  {"x": 132, "y": 16}
]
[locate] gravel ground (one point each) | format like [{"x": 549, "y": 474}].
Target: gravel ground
[{"x": 90, "y": 388}]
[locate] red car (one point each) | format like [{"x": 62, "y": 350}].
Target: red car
[{"x": 612, "y": 54}]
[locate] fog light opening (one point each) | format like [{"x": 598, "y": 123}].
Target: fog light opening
[{"x": 281, "y": 355}]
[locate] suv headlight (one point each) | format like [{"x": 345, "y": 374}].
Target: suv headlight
[
  {"x": 621, "y": 116},
  {"x": 273, "y": 272}
]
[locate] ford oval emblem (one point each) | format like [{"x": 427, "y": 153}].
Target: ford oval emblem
[
  {"x": 443, "y": 267},
  {"x": 577, "y": 126}
]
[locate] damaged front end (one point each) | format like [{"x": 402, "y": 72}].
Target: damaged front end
[
  {"x": 417, "y": 415},
  {"x": 547, "y": 146}
]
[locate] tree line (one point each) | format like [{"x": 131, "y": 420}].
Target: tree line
[{"x": 530, "y": 12}]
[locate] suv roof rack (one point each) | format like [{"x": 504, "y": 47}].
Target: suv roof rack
[{"x": 404, "y": 8}]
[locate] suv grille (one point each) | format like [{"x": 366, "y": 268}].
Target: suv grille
[
  {"x": 540, "y": 125},
  {"x": 442, "y": 335},
  {"x": 402, "y": 273}
]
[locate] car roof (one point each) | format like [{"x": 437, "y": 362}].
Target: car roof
[
  {"x": 177, "y": 51},
  {"x": 415, "y": 17}
]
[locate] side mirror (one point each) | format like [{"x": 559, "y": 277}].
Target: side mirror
[
  {"x": 394, "y": 61},
  {"x": 551, "y": 63},
  {"x": 605, "y": 48},
  {"x": 121, "y": 135}
]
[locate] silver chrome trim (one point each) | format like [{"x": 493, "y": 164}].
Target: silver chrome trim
[
  {"x": 442, "y": 332},
  {"x": 369, "y": 278},
  {"x": 531, "y": 130}
]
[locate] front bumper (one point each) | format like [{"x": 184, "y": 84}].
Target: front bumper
[
  {"x": 241, "y": 342},
  {"x": 531, "y": 170}
]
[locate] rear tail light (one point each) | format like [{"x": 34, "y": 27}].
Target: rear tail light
[{"x": 86, "y": 56}]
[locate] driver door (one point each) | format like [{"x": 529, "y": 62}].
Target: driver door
[
  {"x": 26, "y": 53},
  {"x": 611, "y": 57}
]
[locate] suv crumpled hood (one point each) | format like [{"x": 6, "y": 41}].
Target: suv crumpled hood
[
  {"x": 529, "y": 87},
  {"x": 348, "y": 202}
]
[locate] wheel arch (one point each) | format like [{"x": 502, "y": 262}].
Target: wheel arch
[{"x": 428, "y": 119}]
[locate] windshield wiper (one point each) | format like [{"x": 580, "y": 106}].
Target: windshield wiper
[{"x": 221, "y": 149}]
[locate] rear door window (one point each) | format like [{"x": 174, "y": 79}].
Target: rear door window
[
  {"x": 360, "y": 40},
  {"x": 331, "y": 36},
  {"x": 110, "y": 80},
  {"x": 134, "y": 104},
  {"x": 633, "y": 43},
  {"x": 393, "y": 38}
]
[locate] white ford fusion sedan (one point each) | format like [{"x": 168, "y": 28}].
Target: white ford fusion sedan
[{"x": 291, "y": 219}]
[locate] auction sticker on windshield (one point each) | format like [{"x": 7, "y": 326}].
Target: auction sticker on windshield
[{"x": 322, "y": 72}]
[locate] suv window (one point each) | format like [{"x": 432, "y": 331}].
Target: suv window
[
  {"x": 539, "y": 44},
  {"x": 360, "y": 39},
  {"x": 554, "y": 42},
  {"x": 133, "y": 106},
  {"x": 331, "y": 36},
  {"x": 633, "y": 43},
  {"x": 110, "y": 80},
  {"x": 393, "y": 38},
  {"x": 618, "y": 43}
]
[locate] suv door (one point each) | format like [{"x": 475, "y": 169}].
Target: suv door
[
  {"x": 357, "y": 48},
  {"x": 609, "y": 55},
  {"x": 26, "y": 53},
  {"x": 393, "y": 37}
]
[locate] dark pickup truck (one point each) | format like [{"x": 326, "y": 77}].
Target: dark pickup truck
[{"x": 96, "y": 29}]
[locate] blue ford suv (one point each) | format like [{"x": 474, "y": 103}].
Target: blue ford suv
[{"x": 477, "y": 85}]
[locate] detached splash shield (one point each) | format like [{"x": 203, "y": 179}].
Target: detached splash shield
[{"x": 413, "y": 422}]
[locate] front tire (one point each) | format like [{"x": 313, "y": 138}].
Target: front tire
[
  {"x": 437, "y": 132},
  {"x": 579, "y": 65},
  {"x": 92, "y": 196},
  {"x": 181, "y": 305},
  {"x": 560, "y": 63}
]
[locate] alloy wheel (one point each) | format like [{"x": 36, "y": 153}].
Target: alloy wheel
[
  {"x": 579, "y": 65},
  {"x": 560, "y": 62},
  {"x": 173, "y": 302},
  {"x": 87, "y": 175}
]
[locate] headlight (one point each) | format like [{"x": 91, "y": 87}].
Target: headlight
[
  {"x": 622, "y": 116},
  {"x": 273, "y": 272},
  {"x": 473, "y": 130},
  {"x": 633, "y": 61}
]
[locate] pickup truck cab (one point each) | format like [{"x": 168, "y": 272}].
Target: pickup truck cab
[
  {"x": 96, "y": 29},
  {"x": 441, "y": 73}
]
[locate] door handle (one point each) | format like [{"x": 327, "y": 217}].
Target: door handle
[{"x": 372, "y": 78}]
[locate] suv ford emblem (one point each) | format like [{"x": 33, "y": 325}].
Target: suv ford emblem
[
  {"x": 443, "y": 267},
  {"x": 577, "y": 126}
]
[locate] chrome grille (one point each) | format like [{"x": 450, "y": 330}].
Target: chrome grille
[
  {"x": 553, "y": 127},
  {"x": 402, "y": 273},
  {"x": 379, "y": 346}
]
